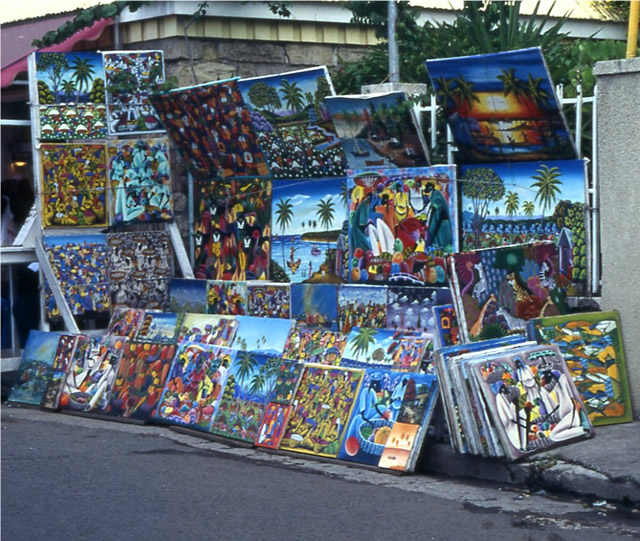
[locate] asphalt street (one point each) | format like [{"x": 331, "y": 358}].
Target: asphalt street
[{"x": 71, "y": 478}]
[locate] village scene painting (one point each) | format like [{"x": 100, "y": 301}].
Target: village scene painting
[
  {"x": 307, "y": 220},
  {"x": 293, "y": 125},
  {"x": 512, "y": 203},
  {"x": 502, "y": 106},
  {"x": 71, "y": 96},
  {"x": 378, "y": 130}
]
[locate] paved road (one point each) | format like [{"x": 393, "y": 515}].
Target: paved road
[{"x": 70, "y": 478}]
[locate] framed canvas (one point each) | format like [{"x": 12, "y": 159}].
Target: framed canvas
[
  {"x": 262, "y": 334},
  {"x": 65, "y": 351},
  {"x": 188, "y": 295},
  {"x": 226, "y": 298},
  {"x": 160, "y": 327},
  {"x": 314, "y": 345},
  {"x": 269, "y": 300},
  {"x": 361, "y": 306},
  {"x": 208, "y": 329},
  {"x": 315, "y": 305}
]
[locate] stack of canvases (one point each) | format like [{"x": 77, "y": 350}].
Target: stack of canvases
[
  {"x": 262, "y": 381},
  {"x": 95, "y": 174},
  {"x": 503, "y": 397}
]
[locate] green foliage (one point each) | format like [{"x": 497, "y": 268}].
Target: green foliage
[
  {"x": 96, "y": 95},
  {"x": 45, "y": 96},
  {"x": 263, "y": 96},
  {"x": 482, "y": 185}
]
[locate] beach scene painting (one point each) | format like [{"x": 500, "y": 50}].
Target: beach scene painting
[{"x": 307, "y": 220}]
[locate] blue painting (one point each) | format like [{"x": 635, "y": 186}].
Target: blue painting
[
  {"x": 315, "y": 305},
  {"x": 262, "y": 334},
  {"x": 361, "y": 306},
  {"x": 186, "y": 295},
  {"x": 159, "y": 327}
]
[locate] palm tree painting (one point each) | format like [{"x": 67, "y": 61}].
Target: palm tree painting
[
  {"x": 512, "y": 203},
  {"x": 284, "y": 214},
  {"x": 547, "y": 182},
  {"x": 326, "y": 213},
  {"x": 361, "y": 340},
  {"x": 293, "y": 96},
  {"x": 528, "y": 208},
  {"x": 83, "y": 73}
]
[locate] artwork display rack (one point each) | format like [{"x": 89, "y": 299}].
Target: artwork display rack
[{"x": 36, "y": 228}]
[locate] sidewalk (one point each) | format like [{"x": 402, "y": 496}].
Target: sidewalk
[{"x": 605, "y": 467}]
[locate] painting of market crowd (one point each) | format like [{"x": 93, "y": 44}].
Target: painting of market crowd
[
  {"x": 514, "y": 203},
  {"x": 293, "y": 125},
  {"x": 71, "y": 96},
  {"x": 502, "y": 106}
]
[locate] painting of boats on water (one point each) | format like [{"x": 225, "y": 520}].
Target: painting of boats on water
[
  {"x": 378, "y": 130},
  {"x": 307, "y": 220},
  {"x": 502, "y": 107},
  {"x": 518, "y": 202}
]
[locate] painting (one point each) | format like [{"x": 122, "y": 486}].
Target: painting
[
  {"x": 315, "y": 305},
  {"x": 276, "y": 414},
  {"x": 140, "y": 380},
  {"x": 409, "y": 308},
  {"x": 194, "y": 385},
  {"x": 497, "y": 290},
  {"x": 307, "y": 219},
  {"x": 378, "y": 130},
  {"x": 385, "y": 348},
  {"x": 160, "y": 327},
  {"x": 406, "y": 438},
  {"x": 187, "y": 295},
  {"x": 269, "y": 300},
  {"x": 71, "y": 96},
  {"x": 79, "y": 263},
  {"x": 232, "y": 230},
  {"x": 360, "y": 306},
  {"x": 321, "y": 406},
  {"x": 314, "y": 345},
  {"x": 262, "y": 334},
  {"x": 92, "y": 373},
  {"x": 35, "y": 368},
  {"x": 140, "y": 265},
  {"x": 446, "y": 323},
  {"x": 208, "y": 329},
  {"x": 74, "y": 185},
  {"x": 293, "y": 125},
  {"x": 140, "y": 180},
  {"x": 401, "y": 224},
  {"x": 520, "y": 202},
  {"x": 125, "y": 322},
  {"x": 502, "y": 107},
  {"x": 59, "y": 367},
  {"x": 226, "y": 298},
  {"x": 131, "y": 77},
  {"x": 250, "y": 383},
  {"x": 591, "y": 344},
  {"x": 534, "y": 404},
  {"x": 212, "y": 129}
]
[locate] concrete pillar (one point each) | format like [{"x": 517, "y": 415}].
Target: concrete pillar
[{"x": 618, "y": 132}]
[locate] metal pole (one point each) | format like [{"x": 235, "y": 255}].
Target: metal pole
[
  {"x": 595, "y": 200},
  {"x": 392, "y": 14},
  {"x": 433, "y": 118},
  {"x": 579, "y": 120},
  {"x": 632, "y": 33}
]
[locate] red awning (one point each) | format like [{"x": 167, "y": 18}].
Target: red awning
[{"x": 16, "y": 42}]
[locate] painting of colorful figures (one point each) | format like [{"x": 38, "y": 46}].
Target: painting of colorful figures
[
  {"x": 131, "y": 76},
  {"x": 404, "y": 442},
  {"x": 401, "y": 224},
  {"x": 409, "y": 308},
  {"x": 360, "y": 306},
  {"x": 502, "y": 107},
  {"x": 187, "y": 295},
  {"x": 314, "y": 345},
  {"x": 92, "y": 374},
  {"x": 591, "y": 344},
  {"x": 378, "y": 130},
  {"x": 160, "y": 327},
  {"x": 74, "y": 185},
  {"x": 125, "y": 322},
  {"x": 208, "y": 329},
  {"x": 269, "y": 300},
  {"x": 226, "y": 298},
  {"x": 321, "y": 406},
  {"x": 212, "y": 129},
  {"x": 140, "y": 380},
  {"x": 140, "y": 177},
  {"x": 520, "y": 202},
  {"x": 447, "y": 328},
  {"x": 194, "y": 386},
  {"x": 79, "y": 263},
  {"x": 307, "y": 220},
  {"x": 262, "y": 334},
  {"x": 375, "y": 411},
  {"x": 61, "y": 362},
  {"x": 499, "y": 289},
  {"x": 35, "y": 367},
  {"x": 293, "y": 125},
  {"x": 232, "y": 230},
  {"x": 71, "y": 96},
  {"x": 534, "y": 404},
  {"x": 384, "y": 348},
  {"x": 249, "y": 388},
  {"x": 315, "y": 305}
]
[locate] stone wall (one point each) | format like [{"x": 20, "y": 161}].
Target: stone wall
[{"x": 618, "y": 103}]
